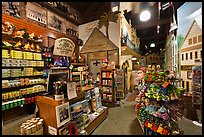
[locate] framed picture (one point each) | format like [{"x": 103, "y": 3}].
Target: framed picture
[
  {"x": 189, "y": 74},
  {"x": 51, "y": 41},
  {"x": 62, "y": 114},
  {"x": 36, "y": 13},
  {"x": 11, "y": 9}
]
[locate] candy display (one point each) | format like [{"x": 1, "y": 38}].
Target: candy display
[
  {"x": 158, "y": 104},
  {"x": 5, "y": 53},
  {"x": 32, "y": 126}
]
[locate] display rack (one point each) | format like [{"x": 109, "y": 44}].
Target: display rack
[
  {"x": 120, "y": 84},
  {"x": 107, "y": 86},
  {"x": 21, "y": 76},
  {"x": 48, "y": 104},
  {"x": 159, "y": 104}
]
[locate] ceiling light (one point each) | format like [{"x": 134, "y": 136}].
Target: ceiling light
[
  {"x": 134, "y": 59},
  {"x": 145, "y": 15},
  {"x": 152, "y": 45}
]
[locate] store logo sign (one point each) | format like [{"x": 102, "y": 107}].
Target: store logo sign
[{"x": 64, "y": 47}]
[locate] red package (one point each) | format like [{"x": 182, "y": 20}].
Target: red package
[
  {"x": 165, "y": 131},
  {"x": 155, "y": 127},
  {"x": 146, "y": 123}
]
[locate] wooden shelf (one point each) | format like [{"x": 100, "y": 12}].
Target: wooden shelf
[
  {"x": 97, "y": 121},
  {"x": 106, "y": 78},
  {"x": 23, "y": 77},
  {"x": 109, "y": 101},
  {"x": 107, "y": 85},
  {"x": 4, "y": 67},
  {"x": 108, "y": 93},
  {"x": 19, "y": 87},
  {"x": 78, "y": 64}
]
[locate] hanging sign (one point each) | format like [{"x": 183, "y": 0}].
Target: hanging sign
[{"x": 64, "y": 47}]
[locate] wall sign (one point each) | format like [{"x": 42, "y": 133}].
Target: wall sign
[
  {"x": 64, "y": 47},
  {"x": 186, "y": 68},
  {"x": 71, "y": 90}
]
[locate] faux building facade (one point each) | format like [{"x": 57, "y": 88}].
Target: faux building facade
[{"x": 191, "y": 53}]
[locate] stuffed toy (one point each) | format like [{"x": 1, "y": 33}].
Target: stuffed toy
[
  {"x": 18, "y": 45},
  {"x": 7, "y": 44},
  {"x": 8, "y": 28},
  {"x": 38, "y": 49},
  {"x": 160, "y": 129}
]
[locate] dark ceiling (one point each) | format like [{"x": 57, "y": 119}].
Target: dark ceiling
[{"x": 146, "y": 31}]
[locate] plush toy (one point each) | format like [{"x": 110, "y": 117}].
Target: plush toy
[
  {"x": 27, "y": 47},
  {"x": 8, "y": 28},
  {"x": 105, "y": 62},
  {"x": 7, "y": 44},
  {"x": 38, "y": 49},
  {"x": 32, "y": 47},
  {"x": 18, "y": 45},
  {"x": 20, "y": 33}
]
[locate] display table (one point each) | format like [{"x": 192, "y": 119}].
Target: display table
[{"x": 47, "y": 111}]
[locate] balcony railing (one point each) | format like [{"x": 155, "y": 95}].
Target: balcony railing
[{"x": 126, "y": 42}]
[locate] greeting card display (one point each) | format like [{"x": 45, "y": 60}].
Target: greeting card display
[{"x": 62, "y": 114}]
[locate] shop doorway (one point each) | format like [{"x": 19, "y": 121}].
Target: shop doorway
[{"x": 187, "y": 86}]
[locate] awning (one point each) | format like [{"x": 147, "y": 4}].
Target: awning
[{"x": 125, "y": 50}]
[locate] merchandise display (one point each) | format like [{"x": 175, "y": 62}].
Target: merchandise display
[
  {"x": 66, "y": 67},
  {"x": 33, "y": 126},
  {"x": 159, "y": 103},
  {"x": 107, "y": 86}
]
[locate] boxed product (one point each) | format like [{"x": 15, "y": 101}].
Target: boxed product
[
  {"x": 37, "y": 56},
  {"x": 5, "y": 83},
  {"x": 5, "y": 53},
  {"x": 14, "y": 54},
  {"x": 15, "y": 72},
  {"x": 76, "y": 110},
  {"x": 28, "y": 55},
  {"x": 6, "y": 73}
]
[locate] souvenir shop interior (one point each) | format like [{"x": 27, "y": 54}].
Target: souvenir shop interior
[{"x": 91, "y": 68}]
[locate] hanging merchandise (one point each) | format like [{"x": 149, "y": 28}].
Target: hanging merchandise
[{"x": 158, "y": 104}]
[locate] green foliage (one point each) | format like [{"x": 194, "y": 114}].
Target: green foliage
[
  {"x": 106, "y": 18},
  {"x": 180, "y": 38}
]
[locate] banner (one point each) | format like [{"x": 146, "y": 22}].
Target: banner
[{"x": 64, "y": 47}]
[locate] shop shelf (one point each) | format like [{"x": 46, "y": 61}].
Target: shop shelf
[
  {"x": 107, "y": 85},
  {"x": 5, "y": 78},
  {"x": 109, "y": 101},
  {"x": 106, "y": 78},
  {"x": 5, "y": 67},
  {"x": 108, "y": 93},
  {"x": 78, "y": 64},
  {"x": 20, "y": 50},
  {"x": 20, "y": 87}
]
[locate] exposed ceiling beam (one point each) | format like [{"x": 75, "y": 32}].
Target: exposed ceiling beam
[
  {"x": 155, "y": 42},
  {"x": 152, "y": 24},
  {"x": 154, "y": 36}
]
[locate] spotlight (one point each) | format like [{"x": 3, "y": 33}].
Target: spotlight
[{"x": 145, "y": 15}]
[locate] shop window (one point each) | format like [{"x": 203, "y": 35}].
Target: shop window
[
  {"x": 187, "y": 86},
  {"x": 195, "y": 40},
  {"x": 183, "y": 84},
  {"x": 196, "y": 55},
  {"x": 182, "y": 56},
  {"x": 190, "y": 55},
  {"x": 200, "y": 38},
  {"x": 189, "y": 41},
  {"x": 186, "y": 56},
  {"x": 201, "y": 54}
]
